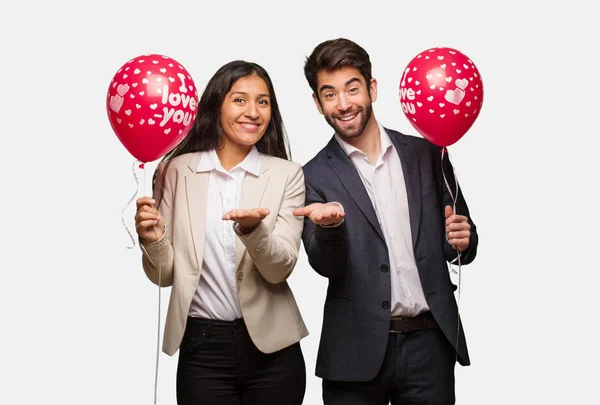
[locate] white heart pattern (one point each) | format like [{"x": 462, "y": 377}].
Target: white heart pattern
[
  {"x": 128, "y": 112},
  {"x": 151, "y": 121},
  {"x": 461, "y": 83},
  {"x": 115, "y": 103},
  {"x": 136, "y": 71},
  {"x": 122, "y": 89},
  {"x": 163, "y": 70},
  {"x": 430, "y": 98},
  {"x": 454, "y": 96},
  {"x": 167, "y": 130},
  {"x": 153, "y": 106}
]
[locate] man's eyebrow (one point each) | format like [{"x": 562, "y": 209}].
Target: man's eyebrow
[{"x": 329, "y": 87}]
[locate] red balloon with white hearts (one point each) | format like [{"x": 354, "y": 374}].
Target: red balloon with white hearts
[
  {"x": 441, "y": 94},
  {"x": 151, "y": 104}
]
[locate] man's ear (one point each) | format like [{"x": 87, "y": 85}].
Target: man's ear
[
  {"x": 373, "y": 90},
  {"x": 318, "y": 103}
]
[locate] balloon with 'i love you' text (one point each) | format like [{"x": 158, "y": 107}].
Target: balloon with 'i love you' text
[
  {"x": 151, "y": 105},
  {"x": 441, "y": 94}
]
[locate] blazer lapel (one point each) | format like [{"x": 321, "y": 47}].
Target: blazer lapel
[
  {"x": 412, "y": 179},
  {"x": 348, "y": 175},
  {"x": 196, "y": 184},
  {"x": 252, "y": 193}
]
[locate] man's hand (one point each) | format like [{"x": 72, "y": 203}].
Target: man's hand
[
  {"x": 322, "y": 214},
  {"x": 458, "y": 229}
]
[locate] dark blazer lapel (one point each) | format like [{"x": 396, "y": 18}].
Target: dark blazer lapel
[
  {"x": 343, "y": 167},
  {"x": 412, "y": 178}
]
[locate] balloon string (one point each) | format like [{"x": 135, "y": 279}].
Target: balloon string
[
  {"x": 158, "y": 327},
  {"x": 137, "y": 187},
  {"x": 158, "y": 320},
  {"x": 457, "y": 259}
]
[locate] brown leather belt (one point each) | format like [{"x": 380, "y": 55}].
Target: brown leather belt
[{"x": 406, "y": 325}]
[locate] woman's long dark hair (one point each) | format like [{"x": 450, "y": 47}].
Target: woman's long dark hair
[{"x": 207, "y": 134}]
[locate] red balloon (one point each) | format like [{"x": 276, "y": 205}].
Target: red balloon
[
  {"x": 151, "y": 105},
  {"x": 441, "y": 94}
]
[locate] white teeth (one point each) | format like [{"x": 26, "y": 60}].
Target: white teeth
[{"x": 347, "y": 118}]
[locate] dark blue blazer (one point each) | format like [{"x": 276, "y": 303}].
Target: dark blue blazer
[{"x": 354, "y": 256}]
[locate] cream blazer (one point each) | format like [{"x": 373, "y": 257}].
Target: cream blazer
[{"x": 265, "y": 258}]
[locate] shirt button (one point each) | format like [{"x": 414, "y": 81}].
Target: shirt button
[
  {"x": 384, "y": 268},
  {"x": 385, "y": 305},
  {"x": 240, "y": 275}
]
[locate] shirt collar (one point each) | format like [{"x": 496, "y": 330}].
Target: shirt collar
[
  {"x": 384, "y": 140},
  {"x": 210, "y": 161}
]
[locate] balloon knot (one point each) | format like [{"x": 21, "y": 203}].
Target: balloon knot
[{"x": 141, "y": 165}]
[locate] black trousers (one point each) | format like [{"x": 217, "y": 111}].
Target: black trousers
[
  {"x": 418, "y": 369},
  {"x": 219, "y": 364}
]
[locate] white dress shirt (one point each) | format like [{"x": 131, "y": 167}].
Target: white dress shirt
[
  {"x": 216, "y": 295},
  {"x": 384, "y": 182}
]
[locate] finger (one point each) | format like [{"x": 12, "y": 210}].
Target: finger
[
  {"x": 456, "y": 218},
  {"x": 339, "y": 215},
  {"x": 230, "y": 215},
  {"x": 460, "y": 244},
  {"x": 448, "y": 211},
  {"x": 458, "y": 226},
  {"x": 459, "y": 235},
  {"x": 264, "y": 212},
  {"x": 144, "y": 201},
  {"x": 143, "y": 215},
  {"x": 301, "y": 212},
  {"x": 146, "y": 224}
]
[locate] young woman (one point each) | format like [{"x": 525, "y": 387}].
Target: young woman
[{"x": 220, "y": 230}]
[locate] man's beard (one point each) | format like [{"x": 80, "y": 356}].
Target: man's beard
[{"x": 365, "y": 114}]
